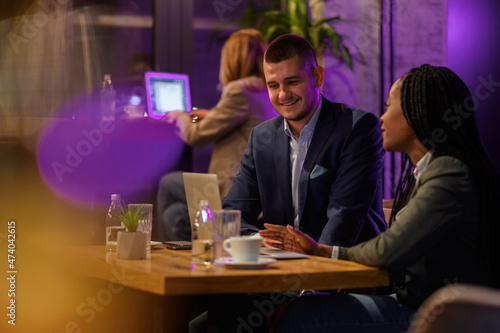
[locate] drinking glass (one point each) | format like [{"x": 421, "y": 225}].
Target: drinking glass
[{"x": 227, "y": 223}]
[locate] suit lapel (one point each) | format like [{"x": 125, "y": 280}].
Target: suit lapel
[
  {"x": 322, "y": 132},
  {"x": 281, "y": 152}
]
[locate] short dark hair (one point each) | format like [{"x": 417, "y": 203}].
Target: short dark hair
[{"x": 288, "y": 46}]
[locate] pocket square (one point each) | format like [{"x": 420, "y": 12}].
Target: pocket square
[{"x": 317, "y": 171}]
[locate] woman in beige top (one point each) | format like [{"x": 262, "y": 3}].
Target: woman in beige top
[{"x": 244, "y": 104}]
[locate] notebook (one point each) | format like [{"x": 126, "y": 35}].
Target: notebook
[
  {"x": 201, "y": 186},
  {"x": 167, "y": 92}
]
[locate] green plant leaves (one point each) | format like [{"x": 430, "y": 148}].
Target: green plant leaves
[
  {"x": 296, "y": 20},
  {"x": 131, "y": 218}
]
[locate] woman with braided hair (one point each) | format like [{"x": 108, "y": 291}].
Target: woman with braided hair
[{"x": 444, "y": 220}]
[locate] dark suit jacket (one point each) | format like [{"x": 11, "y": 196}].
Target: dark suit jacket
[{"x": 340, "y": 186}]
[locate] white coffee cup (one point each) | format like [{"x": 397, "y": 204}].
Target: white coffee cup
[{"x": 243, "y": 248}]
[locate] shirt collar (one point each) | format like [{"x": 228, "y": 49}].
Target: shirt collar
[
  {"x": 421, "y": 165},
  {"x": 311, "y": 124}
]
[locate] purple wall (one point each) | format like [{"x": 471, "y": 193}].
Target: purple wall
[
  {"x": 474, "y": 54},
  {"x": 460, "y": 34},
  {"x": 390, "y": 45}
]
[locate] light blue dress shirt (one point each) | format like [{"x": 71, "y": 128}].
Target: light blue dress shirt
[{"x": 298, "y": 152}]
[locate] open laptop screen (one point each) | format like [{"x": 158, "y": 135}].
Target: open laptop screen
[
  {"x": 201, "y": 186},
  {"x": 167, "y": 92}
]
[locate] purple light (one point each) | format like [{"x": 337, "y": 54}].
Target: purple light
[{"x": 88, "y": 159}]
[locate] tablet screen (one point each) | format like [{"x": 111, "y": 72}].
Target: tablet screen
[{"x": 167, "y": 92}]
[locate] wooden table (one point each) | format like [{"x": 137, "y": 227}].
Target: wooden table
[{"x": 167, "y": 274}]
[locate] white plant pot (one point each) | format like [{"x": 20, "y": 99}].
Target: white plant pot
[{"x": 131, "y": 245}]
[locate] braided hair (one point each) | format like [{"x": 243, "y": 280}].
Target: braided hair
[
  {"x": 404, "y": 188},
  {"x": 439, "y": 109}
]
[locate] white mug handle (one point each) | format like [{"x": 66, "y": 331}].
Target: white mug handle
[{"x": 227, "y": 245}]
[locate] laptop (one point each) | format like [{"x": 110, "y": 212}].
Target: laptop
[
  {"x": 201, "y": 186},
  {"x": 167, "y": 92}
]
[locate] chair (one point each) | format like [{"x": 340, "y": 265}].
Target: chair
[
  {"x": 459, "y": 308},
  {"x": 387, "y": 207},
  {"x": 387, "y": 203},
  {"x": 387, "y": 214}
]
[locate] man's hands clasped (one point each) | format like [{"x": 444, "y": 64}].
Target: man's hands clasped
[
  {"x": 290, "y": 239},
  {"x": 287, "y": 238}
]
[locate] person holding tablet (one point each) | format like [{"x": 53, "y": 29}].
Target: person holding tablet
[
  {"x": 445, "y": 222},
  {"x": 244, "y": 104}
]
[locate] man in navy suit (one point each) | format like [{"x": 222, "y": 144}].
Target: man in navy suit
[{"x": 317, "y": 166}]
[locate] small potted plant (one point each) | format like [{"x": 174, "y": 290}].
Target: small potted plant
[{"x": 131, "y": 244}]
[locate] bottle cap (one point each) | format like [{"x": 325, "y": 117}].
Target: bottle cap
[{"x": 115, "y": 196}]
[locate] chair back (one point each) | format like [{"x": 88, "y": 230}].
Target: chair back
[
  {"x": 459, "y": 308},
  {"x": 387, "y": 215}
]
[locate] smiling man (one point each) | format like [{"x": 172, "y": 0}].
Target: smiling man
[
  {"x": 293, "y": 89},
  {"x": 317, "y": 166}
]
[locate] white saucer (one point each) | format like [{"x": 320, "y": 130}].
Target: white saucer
[{"x": 230, "y": 263}]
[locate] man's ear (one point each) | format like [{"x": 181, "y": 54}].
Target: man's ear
[{"x": 319, "y": 75}]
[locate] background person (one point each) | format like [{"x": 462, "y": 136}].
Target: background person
[
  {"x": 243, "y": 105},
  {"x": 446, "y": 222}
]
